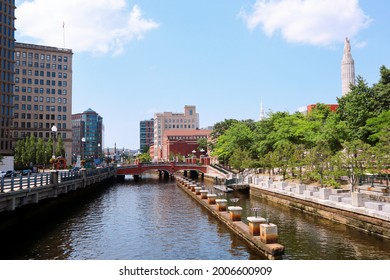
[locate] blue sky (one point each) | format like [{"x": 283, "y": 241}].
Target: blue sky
[{"x": 134, "y": 58}]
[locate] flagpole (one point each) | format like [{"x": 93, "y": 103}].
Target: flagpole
[{"x": 63, "y": 32}]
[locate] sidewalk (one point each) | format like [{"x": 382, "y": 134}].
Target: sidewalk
[{"x": 336, "y": 198}]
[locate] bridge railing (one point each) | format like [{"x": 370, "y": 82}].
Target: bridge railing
[
  {"x": 24, "y": 182},
  {"x": 43, "y": 179}
]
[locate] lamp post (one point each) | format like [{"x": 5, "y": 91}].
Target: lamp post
[
  {"x": 54, "y": 133},
  {"x": 99, "y": 152},
  {"x": 82, "y": 147},
  {"x": 193, "y": 156}
]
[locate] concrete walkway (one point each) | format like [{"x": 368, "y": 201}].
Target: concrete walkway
[{"x": 337, "y": 198}]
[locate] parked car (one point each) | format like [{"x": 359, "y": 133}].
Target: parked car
[
  {"x": 2, "y": 174},
  {"x": 11, "y": 173},
  {"x": 26, "y": 172}
]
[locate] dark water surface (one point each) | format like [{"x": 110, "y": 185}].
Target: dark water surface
[{"x": 156, "y": 220}]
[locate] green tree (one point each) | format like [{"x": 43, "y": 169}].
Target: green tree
[
  {"x": 59, "y": 147},
  {"x": 377, "y": 127},
  {"x": 319, "y": 158},
  {"x": 40, "y": 151},
  {"x": 30, "y": 149},
  {"x": 238, "y": 136},
  {"x": 144, "y": 157},
  {"x": 355, "y": 157}
]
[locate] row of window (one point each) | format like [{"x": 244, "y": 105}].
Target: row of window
[
  {"x": 40, "y": 116},
  {"x": 179, "y": 121},
  {"x": 41, "y": 65},
  {"x": 41, "y": 73},
  {"x": 24, "y": 134},
  {"x": 38, "y": 125},
  {"x": 41, "y": 82},
  {"x": 180, "y": 126},
  {"x": 38, "y": 56},
  {"x": 41, "y": 90},
  {"x": 40, "y": 99},
  {"x": 27, "y": 107}
]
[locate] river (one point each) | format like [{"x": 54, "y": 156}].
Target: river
[{"x": 155, "y": 220}]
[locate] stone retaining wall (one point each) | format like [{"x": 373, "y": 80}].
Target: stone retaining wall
[{"x": 356, "y": 220}]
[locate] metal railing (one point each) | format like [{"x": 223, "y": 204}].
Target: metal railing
[
  {"x": 24, "y": 182},
  {"x": 42, "y": 179}
]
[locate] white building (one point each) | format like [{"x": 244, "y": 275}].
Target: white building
[{"x": 347, "y": 68}]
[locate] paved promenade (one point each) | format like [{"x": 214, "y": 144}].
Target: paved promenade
[{"x": 370, "y": 203}]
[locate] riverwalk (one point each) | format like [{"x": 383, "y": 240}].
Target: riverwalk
[
  {"x": 19, "y": 191},
  {"x": 363, "y": 210}
]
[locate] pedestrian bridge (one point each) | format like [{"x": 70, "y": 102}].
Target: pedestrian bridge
[{"x": 168, "y": 167}]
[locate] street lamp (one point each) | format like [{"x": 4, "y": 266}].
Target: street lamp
[
  {"x": 54, "y": 133},
  {"x": 82, "y": 147}
]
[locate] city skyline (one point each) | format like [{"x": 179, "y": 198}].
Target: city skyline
[{"x": 224, "y": 58}]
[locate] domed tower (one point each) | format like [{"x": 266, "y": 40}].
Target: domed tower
[{"x": 347, "y": 68}]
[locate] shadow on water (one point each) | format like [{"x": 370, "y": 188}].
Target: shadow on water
[{"x": 23, "y": 228}]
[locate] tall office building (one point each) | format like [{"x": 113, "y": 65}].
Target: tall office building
[
  {"x": 347, "y": 69},
  {"x": 7, "y": 40},
  {"x": 87, "y": 135},
  {"x": 146, "y": 133},
  {"x": 43, "y": 93},
  {"x": 168, "y": 120}
]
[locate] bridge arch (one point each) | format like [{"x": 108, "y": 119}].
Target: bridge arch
[{"x": 171, "y": 168}]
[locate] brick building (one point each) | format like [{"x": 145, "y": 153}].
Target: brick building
[{"x": 181, "y": 143}]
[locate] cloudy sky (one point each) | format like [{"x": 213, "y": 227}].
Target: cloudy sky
[{"x": 135, "y": 58}]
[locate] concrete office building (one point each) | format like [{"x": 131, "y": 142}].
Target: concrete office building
[
  {"x": 7, "y": 40},
  {"x": 43, "y": 93}
]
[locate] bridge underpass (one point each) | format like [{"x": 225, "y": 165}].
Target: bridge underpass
[{"x": 165, "y": 169}]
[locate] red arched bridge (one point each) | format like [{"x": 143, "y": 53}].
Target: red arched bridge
[{"x": 169, "y": 167}]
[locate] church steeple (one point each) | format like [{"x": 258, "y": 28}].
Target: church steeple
[
  {"x": 262, "y": 115},
  {"x": 347, "y": 68}
]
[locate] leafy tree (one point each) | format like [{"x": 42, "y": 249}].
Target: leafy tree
[
  {"x": 59, "y": 147},
  {"x": 202, "y": 144},
  {"x": 40, "y": 152},
  {"x": 283, "y": 155},
  {"x": 356, "y": 108},
  {"x": 221, "y": 127},
  {"x": 319, "y": 158},
  {"x": 378, "y": 127},
  {"x": 144, "y": 157},
  {"x": 354, "y": 158},
  {"x": 238, "y": 136},
  {"x": 241, "y": 159}
]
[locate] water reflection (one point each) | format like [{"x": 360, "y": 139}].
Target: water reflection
[{"x": 156, "y": 220}]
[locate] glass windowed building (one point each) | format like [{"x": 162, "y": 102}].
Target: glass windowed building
[
  {"x": 7, "y": 41},
  {"x": 87, "y": 128}
]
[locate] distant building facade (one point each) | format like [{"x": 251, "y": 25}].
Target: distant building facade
[
  {"x": 307, "y": 109},
  {"x": 7, "y": 41},
  {"x": 146, "y": 134},
  {"x": 347, "y": 69},
  {"x": 87, "y": 139},
  {"x": 189, "y": 120},
  {"x": 183, "y": 143},
  {"x": 43, "y": 93}
]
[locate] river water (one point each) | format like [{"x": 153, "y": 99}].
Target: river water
[{"x": 156, "y": 220}]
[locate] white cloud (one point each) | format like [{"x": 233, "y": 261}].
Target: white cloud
[
  {"x": 97, "y": 26},
  {"x": 314, "y": 22}
]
